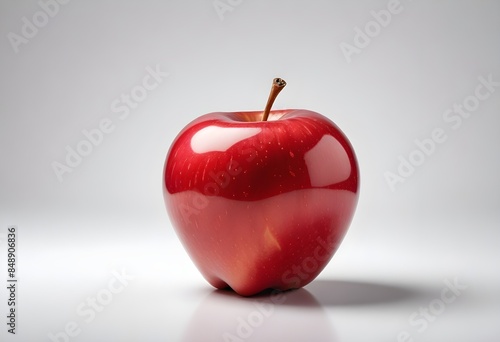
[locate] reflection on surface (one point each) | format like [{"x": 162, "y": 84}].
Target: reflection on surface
[
  {"x": 215, "y": 138},
  {"x": 286, "y": 316}
]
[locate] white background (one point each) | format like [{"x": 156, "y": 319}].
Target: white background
[{"x": 107, "y": 215}]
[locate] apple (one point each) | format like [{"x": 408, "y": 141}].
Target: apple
[{"x": 261, "y": 199}]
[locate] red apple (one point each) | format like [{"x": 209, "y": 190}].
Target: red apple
[{"x": 261, "y": 199}]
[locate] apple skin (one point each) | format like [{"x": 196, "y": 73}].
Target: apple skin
[{"x": 261, "y": 204}]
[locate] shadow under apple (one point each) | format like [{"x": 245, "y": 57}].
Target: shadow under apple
[{"x": 358, "y": 293}]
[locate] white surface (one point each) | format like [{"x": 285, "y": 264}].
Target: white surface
[
  {"x": 370, "y": 289},
  {"x": 139, "y": 71}
]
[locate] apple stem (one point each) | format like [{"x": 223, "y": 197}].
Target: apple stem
[{"x": 278, "y": 85}]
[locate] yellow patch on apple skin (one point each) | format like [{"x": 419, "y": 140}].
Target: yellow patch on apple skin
[{"x": 270, "y": 241}]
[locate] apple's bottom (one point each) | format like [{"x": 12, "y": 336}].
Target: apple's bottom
[{"x": 285, "y": 246}]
